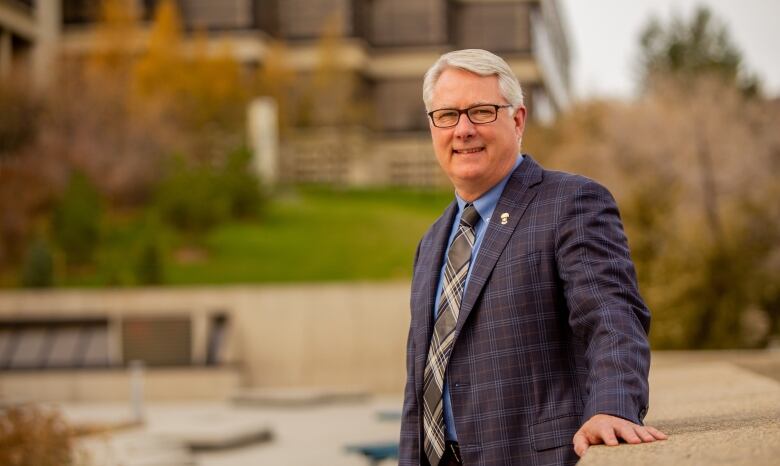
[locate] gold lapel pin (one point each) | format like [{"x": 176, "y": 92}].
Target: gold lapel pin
[{"x": 504, "y": 218}]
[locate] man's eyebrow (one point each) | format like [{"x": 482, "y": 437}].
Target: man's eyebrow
[
  {"x": 482, "y": 102},
  {"x": 473, "y": 104}
]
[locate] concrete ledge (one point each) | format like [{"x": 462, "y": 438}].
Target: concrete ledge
[
  {"x": 114, "y": 385},
  {"x": 716, "y": 413}
]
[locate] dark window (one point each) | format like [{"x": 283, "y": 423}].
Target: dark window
[
  {"x": 224, "y": 14},
  {"x": 408, "y": 22},
  {"x": 308, "y": 19},
  {"x": 498, "y": 27},
  {"x": 27, "y": 3},
  {"x": 399, "y": 105},
  {"x": 80, "y": 11},
  {"x": 157, "y": 341},
  {"x": 217, "y": 335},
  {"x": 54, "y": 344}
]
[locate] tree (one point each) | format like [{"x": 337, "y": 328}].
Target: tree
[
  {"x": 275, "y": 79},
  {"x": 26, "y": 186},
  {"x": 202, "y": 89},
  {"x": 706, "y": 247},
  {"x": 687, "y": 49},
  {"x": 722, "y": 153},
  {"x": 330, "y": 96},
  {"x": 116, "y": 34}
]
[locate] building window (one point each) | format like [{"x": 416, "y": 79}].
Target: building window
[
  {"x": 408, "y": 22},
  {"x": 307, "y": 19},
  {"x": 224, "y": 14},
  {"x": 500, "y": 27},
  {"x": 157, "y": 341},
  {"x": 399, "y": 105},
  {"x": 80, "y": 11},
  {"x": 53, "y": 344},
  {"x": 218, "y": 331}
]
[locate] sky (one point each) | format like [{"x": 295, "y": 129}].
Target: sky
[{"x": 604, "y": 35}]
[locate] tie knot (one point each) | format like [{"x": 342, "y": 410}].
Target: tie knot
[{"x": 470, "y": 216}]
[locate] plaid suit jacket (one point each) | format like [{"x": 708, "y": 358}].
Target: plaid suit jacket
[{"x": 551, "y": 331}]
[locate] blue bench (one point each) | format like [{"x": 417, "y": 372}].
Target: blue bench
[
  {"x": 389, "y": 415},
  {"x": 376, "y": 452}
]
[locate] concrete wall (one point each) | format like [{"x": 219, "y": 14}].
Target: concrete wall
[
  {"x": 327, "y": 335},
  {"x": 114, "y": 385}
]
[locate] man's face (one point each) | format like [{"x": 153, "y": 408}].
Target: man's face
[{"x": 474, "y": 156}]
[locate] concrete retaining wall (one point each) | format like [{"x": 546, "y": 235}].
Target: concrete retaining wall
[
  {"x": 319, "y": 335},
  {"x": 114, "y": 385}
]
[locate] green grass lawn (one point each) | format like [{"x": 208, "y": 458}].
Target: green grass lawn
[{"x": 310, "y": 234}]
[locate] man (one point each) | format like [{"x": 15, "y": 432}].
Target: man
[{"x": 528, "y": 337}]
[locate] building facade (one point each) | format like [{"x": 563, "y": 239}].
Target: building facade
[
  {"x": 384, "y": 47},
  {"x": 29, "y": 34}
]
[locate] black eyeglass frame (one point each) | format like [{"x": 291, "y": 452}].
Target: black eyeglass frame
[{"x": 466, "y": 111}]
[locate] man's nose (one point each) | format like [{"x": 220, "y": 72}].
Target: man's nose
[{"x": 465, "y": 128}]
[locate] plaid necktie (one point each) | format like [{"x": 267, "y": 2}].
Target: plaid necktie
[{"x": 458, "y": 259}]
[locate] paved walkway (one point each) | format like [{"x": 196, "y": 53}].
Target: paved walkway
[
  {"x": 718, "y": 408},
  {"x": 307, "y": 435}
]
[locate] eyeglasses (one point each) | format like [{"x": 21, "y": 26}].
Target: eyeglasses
[{"x": 478, "y": 114}]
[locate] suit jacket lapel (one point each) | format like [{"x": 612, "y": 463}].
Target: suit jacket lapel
[
  {"x": 433, "y": 258},
  {"x": 515, "y": 199}
]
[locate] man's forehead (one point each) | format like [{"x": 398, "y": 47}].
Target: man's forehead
[
  {"x": 456, "y": 76},
  {"x": 458, "y": 87}
]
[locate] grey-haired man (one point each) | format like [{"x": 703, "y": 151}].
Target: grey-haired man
[{"x": 528, "y": 336}]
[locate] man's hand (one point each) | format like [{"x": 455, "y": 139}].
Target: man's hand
[{"x": 603, "y": 428}]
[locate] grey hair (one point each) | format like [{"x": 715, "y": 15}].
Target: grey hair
[{"x": 480, "y": 62}]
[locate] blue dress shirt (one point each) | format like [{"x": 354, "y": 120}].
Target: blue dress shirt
[{"x": 485, "y": 206}]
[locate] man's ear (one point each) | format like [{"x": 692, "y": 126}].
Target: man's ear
[{"x": 519, "y": 118}]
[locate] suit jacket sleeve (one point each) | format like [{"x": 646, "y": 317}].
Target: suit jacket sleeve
[
  {"x": 606, "y": 313},
  {"x": 409, "y": 446}
]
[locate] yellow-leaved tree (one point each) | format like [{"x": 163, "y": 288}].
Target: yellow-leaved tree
[{"x": 200, "y": 87}]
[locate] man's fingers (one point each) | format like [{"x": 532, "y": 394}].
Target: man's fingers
[
  {"x": 627, "y": 433},
  {"x": 607, "y": 429},
  {"x": 656, "y": 433},
  {"x": 608, "y": 436},
  {"x": 644, "y": 434},
  {"x": 580, "y": 443}
]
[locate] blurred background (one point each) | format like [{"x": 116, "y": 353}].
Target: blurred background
[{"x": 207, "y": 208}]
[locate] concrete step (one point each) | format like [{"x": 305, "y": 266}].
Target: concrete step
[
  {"x": 290, "y": 397},
  {"x": 135, "y": 448},
  {"x": 219, "y": 430}
]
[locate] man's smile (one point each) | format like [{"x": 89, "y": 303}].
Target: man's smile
[{"x": 471, "y": 150}]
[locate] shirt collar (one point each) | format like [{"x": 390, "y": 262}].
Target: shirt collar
[{"x": 487, "y": 202}]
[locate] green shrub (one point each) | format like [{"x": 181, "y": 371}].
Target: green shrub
[
  {"x": 149, "y": 265},
  {"x": 194, "y": 197},
  {"x": 76, "y": 221},
  {"x": 241, "y": 185},
  {"x": 188, "y": 198},
  {"x": 38, "y": 267}
]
